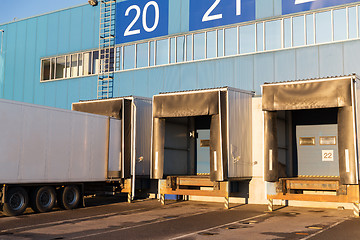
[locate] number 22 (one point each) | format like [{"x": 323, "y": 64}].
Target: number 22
[{"x": 208, "y": 17}]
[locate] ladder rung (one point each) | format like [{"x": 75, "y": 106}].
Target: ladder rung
[{"x": 107, "y": 2}]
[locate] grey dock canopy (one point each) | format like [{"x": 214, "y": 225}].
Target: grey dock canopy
[
  {"x": 336, "y": 92},
  {"x": 110, "y": 107},
  {"x": 220, "y": 105}
]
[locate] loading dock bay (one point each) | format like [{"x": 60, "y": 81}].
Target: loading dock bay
[{"x": 113, "y": 218}]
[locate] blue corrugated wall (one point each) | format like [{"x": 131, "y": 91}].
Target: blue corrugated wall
[
  {"x": 26, "y": 41},
  {"x": 76, "y": 29}
]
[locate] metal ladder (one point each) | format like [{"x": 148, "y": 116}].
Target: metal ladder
[{"x": 105, "y": 81}]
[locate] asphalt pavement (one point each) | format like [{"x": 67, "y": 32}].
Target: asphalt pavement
[{"x": 113, "y": 218}]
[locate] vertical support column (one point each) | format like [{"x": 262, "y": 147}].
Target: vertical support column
[
  {"x": 227, "y": 202},
  {"x": 356, "y": 208},
  {"x": 227, "y": 197},
  {"x": 129, "y": 199},
  {"x": 162, "y": 199},
  {"x": 270, "y": 205}
]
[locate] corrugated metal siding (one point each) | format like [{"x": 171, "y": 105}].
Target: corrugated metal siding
[
  {"x": 76, "y": 29},
  {"x": 66, "y": 31}
]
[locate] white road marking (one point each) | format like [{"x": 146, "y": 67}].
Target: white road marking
[
  {"x": 68, "y": 220},
  {"x": 208, "y": 229},
  {"x": 325, "y": 229}
]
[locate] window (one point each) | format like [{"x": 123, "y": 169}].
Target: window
[
  {"x": 352, "y": 23},
  {"x": 287, "y": 32},
  {"x": 74, "y": 65},
  {"x": 260, "y": 36},
  {"x": 220, "y": 43},
  {"x": 46, "y": 70},
  {"x": 142, "y": 55},
  {"x": 129, "y": 57},
  {"x": 60, "y": 68},
  {"x": 199, "y": 46},
  {"x": 310, "y": 29},
  {"x": 298, "y": 31},
  {"x": 152, "y": 53},
  {"x": 247, "y": 38},
  {"x": 231, "y": 41},
  {"x": 189, "y": 48},
  {"x": 211, "y": 44},
  {"x": 273, "y": 35},
  {"x": 172, "y": 50},
  {"x": 322, "y": 26},
  {"x": 162, "y": 52},
  {"x": 180, "y": 49},
  {"x": 340, "y": 32}
]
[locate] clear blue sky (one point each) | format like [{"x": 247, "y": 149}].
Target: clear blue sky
[{"x": 19, "y": 9}]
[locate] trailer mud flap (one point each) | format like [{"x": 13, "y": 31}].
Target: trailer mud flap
[
  {"x": 271, "y": 147},
  {"x": 347, "y": 161}
]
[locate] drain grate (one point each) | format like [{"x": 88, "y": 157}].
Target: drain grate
[{"x": 208, "y": 234}]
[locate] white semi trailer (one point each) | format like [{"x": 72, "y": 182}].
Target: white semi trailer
[{"x": 51, "y": 155}]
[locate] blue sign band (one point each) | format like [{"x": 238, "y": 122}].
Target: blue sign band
[
  {"x": 141, "y": 19},
  {"x": 213, "y": 13},
  {"x": 294, "y": 6}
]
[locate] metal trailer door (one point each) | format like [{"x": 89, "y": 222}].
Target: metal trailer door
[{"x": 115, "y": 164}]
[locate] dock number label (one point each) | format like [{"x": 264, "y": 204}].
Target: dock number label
[
  {"x": 141, "y": 19},
  {"x": 327, "y": 155},
  {"x": 213, "y": 13}
]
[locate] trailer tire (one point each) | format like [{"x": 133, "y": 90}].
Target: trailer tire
[
  {"x": 69, "y": 197},
  {"x": 43, "y": 199},
  {"x": 16, "y": 201}
]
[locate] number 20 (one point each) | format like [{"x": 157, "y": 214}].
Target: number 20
[
  {"x": 208, "y": 17},
  {"x": 128, "y": 30}
]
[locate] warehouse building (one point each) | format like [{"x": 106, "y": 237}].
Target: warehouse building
[{"x": 143, "y": 47}]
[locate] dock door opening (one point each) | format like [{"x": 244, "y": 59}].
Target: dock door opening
[
  {"x": 320, "y": 116},
  {"x": 307, "y": 143},
  {"x": 187, "y": 145}
]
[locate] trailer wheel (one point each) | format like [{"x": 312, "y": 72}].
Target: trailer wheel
[
  {"x": 69, "y": 197},
  {"x": 43, "y": 199},
  {"x": 16, "y": 201}
]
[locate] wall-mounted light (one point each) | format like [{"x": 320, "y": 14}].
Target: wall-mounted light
[{"x": 93, "y": 2}]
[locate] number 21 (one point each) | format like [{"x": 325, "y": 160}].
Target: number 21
[{"x": 208, "y": 17}]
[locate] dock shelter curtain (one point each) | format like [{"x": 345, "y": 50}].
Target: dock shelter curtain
[
  {"x": 311, "y": 95},
  {"x": 307, "y": 95},
  {"x": 186, "y": 105}
]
